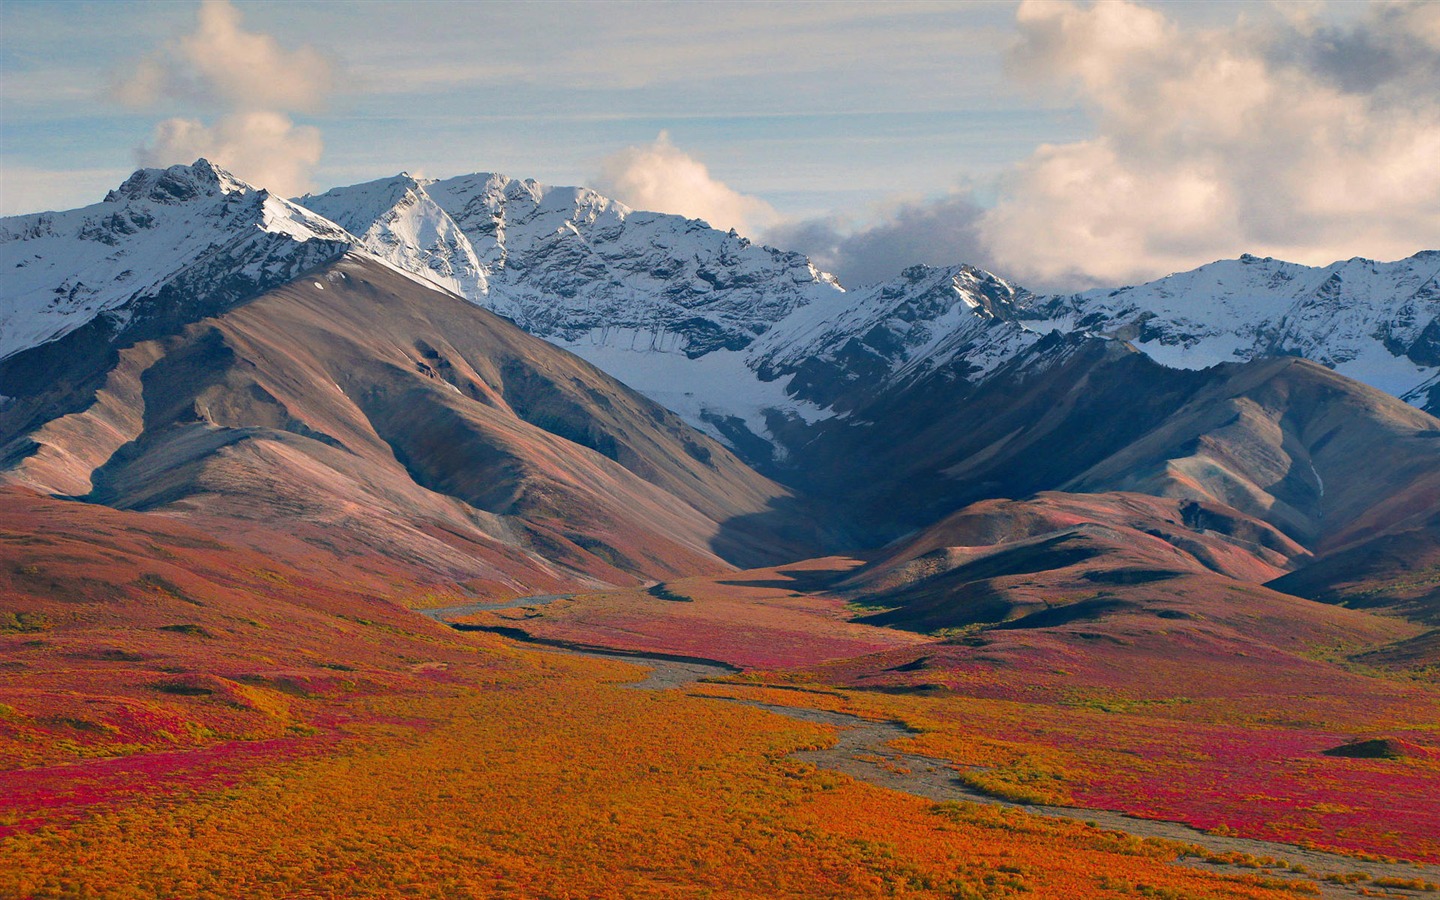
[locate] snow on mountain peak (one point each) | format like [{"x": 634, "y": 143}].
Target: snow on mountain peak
[
  {"x": 194, "y": 229},
  {"x": 738, "y": 338},
  {"x": 396, "y": 220},
  {"x": 921, "y": 320},
  {"x": 1377, "y": 322},
  {"x": 578, "y": 268}
]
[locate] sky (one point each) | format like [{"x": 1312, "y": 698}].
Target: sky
[{"x": 1060, "y": 144}]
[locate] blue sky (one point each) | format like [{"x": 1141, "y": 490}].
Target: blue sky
[
  {"x": 834, "y": 124},
  {"x": 811, "y": 110}
]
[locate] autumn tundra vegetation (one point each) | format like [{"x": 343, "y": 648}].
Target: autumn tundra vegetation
[{"x": 167, "y": 731}]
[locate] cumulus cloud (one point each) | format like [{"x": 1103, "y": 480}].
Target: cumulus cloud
[
  {"x": 264, "y": 148},
  {"x": 1284, "y": 138},
  {"x": 253, "y": 80},
  {"x": 1290, "y": 137},
  {"x": 663, "y": 178},
  {"x": 222, "y": 63},
  {"x": 941, "y": 232}
]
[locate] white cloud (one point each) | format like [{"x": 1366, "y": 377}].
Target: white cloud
[
  {"x": 250, "y": 76},
  {"x": 663, "y": 178},
  {"x": 1278, "y": 138},
  {"x": 222, "y": 63},
  {"x": 264, "y": 148}
]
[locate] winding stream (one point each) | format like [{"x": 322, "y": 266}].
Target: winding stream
[{"x": 862, "y": 751}]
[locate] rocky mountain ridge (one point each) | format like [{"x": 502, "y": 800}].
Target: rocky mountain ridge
[
  {"x": 748, "y": 342},
  {"x": 188, "y": 236},
  {"x": 751, "y": 344},
  {"x": 1376, "y": 322},
  {"x": 566, "y": 263}
]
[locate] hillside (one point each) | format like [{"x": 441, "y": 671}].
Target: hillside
[{"x": 364, "y": 407}]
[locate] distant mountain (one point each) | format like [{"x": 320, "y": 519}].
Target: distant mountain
[
  {"x": 754, "y": 345},
  {"x": 1090, "y": 483},
  {"x": 136, "y": 364},
  {"x": 1376, "y": 322},
  {"x": 746, "y": 342},
  {"x": 568, "y": 264}
]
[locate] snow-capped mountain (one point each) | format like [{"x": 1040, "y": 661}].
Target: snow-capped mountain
[
  {"x": 925, "y": 319},
  {"x": 1376, "y": 322},
  {"x": 736, "y": 337},
  {"x": 741, "y": 339},
  {"x": 568, "y": 264},
  {"x": 398, "y": 221},
  {"x": 194, "y": 236},
  {"x": 749, "y": 343}
]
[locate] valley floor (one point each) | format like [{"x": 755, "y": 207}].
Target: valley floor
[
  {"x": 185, "y": 719},
  {"x": 1232, "y": 748}
]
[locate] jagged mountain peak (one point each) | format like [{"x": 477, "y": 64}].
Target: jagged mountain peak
[
  {"x": 397, "y": 220},
  {"x": 575, "y": 266},
  {"x": 179, "y": 183},
  {"x": 374, "y": 197},
  {"x": 196, "y": 231},
  {"x": 494, "y": 186},
  {"x": 840, "y": 354}
]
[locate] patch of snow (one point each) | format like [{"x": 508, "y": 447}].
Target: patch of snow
[{"x": 720, "y": 383}]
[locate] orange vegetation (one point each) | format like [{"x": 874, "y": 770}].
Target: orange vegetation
[
  {"x": 1160, "y": 717},
  {"x": 551, "y": 782},
  {"x": 183, "y": 718},
  {"x": 180, "y": 717}
]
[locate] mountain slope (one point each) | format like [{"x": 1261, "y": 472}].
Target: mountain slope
[
  {"x": 357, "y": 405},
  {"x": 897, "y": 403},
  {"x": 1285, "y": 441},
  {"x": 755, "y": 346},
  {"x": 748, "y": 343}
]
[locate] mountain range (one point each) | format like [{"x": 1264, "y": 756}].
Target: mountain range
[
  {"x": 1124, "y": 549},
  {"x": 780, "y": 340},
  {"x": 763, "y": 334},
  {"x": 184, "y": 345}
]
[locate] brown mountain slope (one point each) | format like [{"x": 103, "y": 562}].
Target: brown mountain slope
[
  {"x": 358, "y": 406},
  {"x": 1134, "y": 483},
  {"x": 1058, "y": 558},
  {"x": 1396, "y": 572},
  {"x": 1320, "y": 457},
  {"x": 1324, "y": 458}
]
